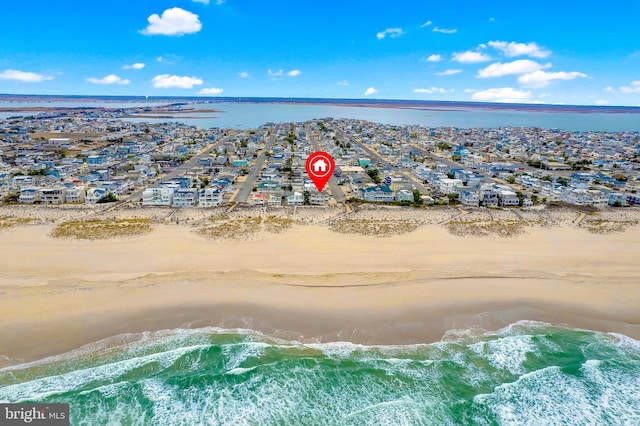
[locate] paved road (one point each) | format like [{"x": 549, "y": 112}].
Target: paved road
[
  {"x": 336, "y": 191},
  {"x": 245, "y": 189},
  {"x": 137, "y": 196}
]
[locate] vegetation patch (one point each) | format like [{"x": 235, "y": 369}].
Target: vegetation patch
[
  {"x": 276, "y": 225},
  {"x": 490, "y": 228},
  {"x": 375, "y": 228},
  {"x": 102, "y": 229},
  {"x": 231, "y": 229},
  {"x": 10, "y": 222},
  {"x": 607, "y": 226}
]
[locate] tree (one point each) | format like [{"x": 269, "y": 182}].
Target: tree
[
  {"x": 534, "y": 199},
  {"x": 374, "y": 175},
  {"x": 453, "y": 198},
  {"x": 109, "y": 198},
  {"x": 416, "y": 196},
  {"x": 547, "y": 178},
  {"x": 307, "y": 198},
  {"x": 511, "y": 179}
]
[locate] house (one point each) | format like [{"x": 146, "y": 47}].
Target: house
[
  {"x": 162, "y": 196},
  {"x": 29, "y": 195},
  {"x": 295, "y": 198},
  {"x": 76, "y": 194},
  {"x": 469, "y": 198},
  {"x": 404, "y": 195},
  {"x": 210, "y": 197},
  {"x": 20, "y": 181},
  {"x": 185, "y": 197},
  {"x": 258, "y": 198},
  {"x": 54, "y": 195},
  {"x": 449, "y": 186},
  {"x": 507, "y": 197},
  {"x": 95, "y": 194},
  {"x": 318, "y": 198},
  {"x": 379, "y": 193}
]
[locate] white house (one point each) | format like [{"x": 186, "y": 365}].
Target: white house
[
  {"x": 469, "y": 198},
  {"x": 404, "y": 195},
  {"x": 95, "y": 194},
  {"x": 185, "y": 197},
  {"x": 449, "y": 186},
  {"x": 210, "y": 197},
  {"x": 318, "y": 198},
  {"x": 29, "y": 195},
  {"x": 295, "y": 199},
  {"x": 157, "y": 196},
  {"x": 76, "y": 194},
  {"x": 53, "y": 195}
]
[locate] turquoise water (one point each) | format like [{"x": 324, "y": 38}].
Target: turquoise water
[{"x": 525, "y": 374}]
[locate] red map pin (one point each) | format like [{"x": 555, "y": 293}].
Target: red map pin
[{"x": 320, "y": 167}]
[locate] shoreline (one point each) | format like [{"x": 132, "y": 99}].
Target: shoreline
[{"x": 309, "y": 282}]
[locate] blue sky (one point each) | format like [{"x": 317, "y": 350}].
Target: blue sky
[{"x": 544, "y": 52}]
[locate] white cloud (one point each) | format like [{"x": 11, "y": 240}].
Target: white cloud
[
  {"x": 243, "y": 74},
  {"x": 449, "y": 72},
  {"x": 426, "y": 24},
  {"x": 432, "y": 90},
  {"x": 211, "y": 91},
  {"x": 543, "y": 78},
  {"x": 166, "y": 81},
  {"x": 521, "y": 66},
  {"x": 503, "y": 94},
  {"x": 219, "y": 2},
  {"x": 136, "y": 66},
  {"x": 174, "y": 22},
  {"x": 110, "y": 79},
  {"x": 520, "y": 49},
  {"x": 634, "y": 88},
  {"x": 370, "y": 91},
  {"x": 444, "y": 30},
  {"x": 294, "y": 73},
  {"x": 201, "y": 1},
  {"x": 434, "y": 58},
  {"x": 470, "y": 57},
  {"x": 27, "y": 77},
  {"x": 391, "y": 32},
  {"x": 275, "y": 74},
  {"x": 159, "y": 59},
  {"x": 343, "y": 83},
  {"x": 601, "y": 102},
  {"x": 470, "y": 90}
]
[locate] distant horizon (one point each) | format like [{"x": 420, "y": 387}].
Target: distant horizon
[{"x": 329, "y": 100}]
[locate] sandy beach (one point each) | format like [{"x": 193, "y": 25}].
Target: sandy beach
[{"x": 314, "y": 278}]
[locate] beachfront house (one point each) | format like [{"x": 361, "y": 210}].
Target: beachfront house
[
  {"x": 161, "y": 196},
  {"x": 404, "y": 195},
  {"x": 29, "y": 195},
  {"x": 210, "y": 197},
  {"x": 54, "y": 195},
  {"x": 76, "y": 194},
  {"x": 185, "y": 197},
  {"x": 469, "y": 198},
  {"x": 94, "y": 195},
  {"x": 449, "y": 186},
  {"x": 378, "y": 193},
  {"x": 318, "y": 198}
]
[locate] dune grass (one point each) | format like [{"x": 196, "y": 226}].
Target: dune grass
[{"x": 102, "y": 229}]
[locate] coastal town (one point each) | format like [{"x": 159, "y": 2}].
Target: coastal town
[{"x": 97, "y": 155}]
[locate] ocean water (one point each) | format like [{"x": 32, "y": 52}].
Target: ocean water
[{"x": 525, "y": 374}]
